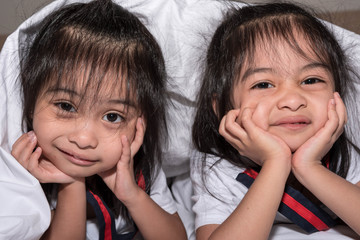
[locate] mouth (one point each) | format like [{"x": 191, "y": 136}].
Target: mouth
[
  {"x": 76, "y": 159},
  {"x": 293, "y": 123}
]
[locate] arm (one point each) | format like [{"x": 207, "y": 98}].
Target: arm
[
  {"x": 153, "y": 221},
  {"x": 253, "y": 218},
  {"x": 69, "y": 218},
  {"x": 341, "y": 196}
]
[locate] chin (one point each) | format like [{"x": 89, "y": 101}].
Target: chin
[
  {"x": 294, "y": 146},
  {"x": 77, "y": 174}
]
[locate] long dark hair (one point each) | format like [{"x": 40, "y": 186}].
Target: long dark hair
[
  {"x": 101, "y": 37},
  {"x": 234, "y": 43}
]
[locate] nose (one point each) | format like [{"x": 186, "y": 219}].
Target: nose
[
  {"x": 291, "y": 99},
  {"x": 84, "y": 135}
]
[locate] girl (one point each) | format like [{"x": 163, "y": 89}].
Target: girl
[
  {"x": 93, "y": 82},
  {"x": 275, "y": 159}
]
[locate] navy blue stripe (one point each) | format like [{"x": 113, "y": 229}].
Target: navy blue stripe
[
  {"x": 315, "y": 209},
  {"x": 99, "y": 215},
  {"x": 296, "y": 218},
  {"x": 101, "y": 220},
  {"x": 245, "y": 179},
  {"x": 290, "y": 213}
]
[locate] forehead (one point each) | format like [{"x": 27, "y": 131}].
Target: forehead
[
  {"x": 282, "y": 50},
  {"x": 94, "y": 85},
  {"x": 279, "y": 54}
]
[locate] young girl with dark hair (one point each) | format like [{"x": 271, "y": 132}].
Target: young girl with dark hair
[
  {"x": 93, "y": 82},
  {"x": 270, "y": 130}
]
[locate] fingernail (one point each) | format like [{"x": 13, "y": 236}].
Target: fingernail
[
  {"x": 337, "y": 94},
  {"x": 332, "y": 101},
  {"x": 32, "y": 136}
]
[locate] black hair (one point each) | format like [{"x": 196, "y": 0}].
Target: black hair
[
  {"x": 99, "y": 38},
  {"x": 234, "y": 43}
]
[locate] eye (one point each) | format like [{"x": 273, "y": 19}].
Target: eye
[
  {"x": 312, "y": 81},
  {"x": 67, "y": 107},
  {"x": 262, "y": 85},
  {"x": 113, "y": 118}
]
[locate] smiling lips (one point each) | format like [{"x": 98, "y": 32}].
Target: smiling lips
[
  {"x": 78, "y": 160},
  {"x": 292, "y": 123}
]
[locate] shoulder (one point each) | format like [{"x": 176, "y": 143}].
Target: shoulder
[{"x": 216, "y": 191}]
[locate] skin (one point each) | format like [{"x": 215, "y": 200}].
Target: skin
[
  {"x": 287, "y": 117},
  {"x": 75, "y": 138}
]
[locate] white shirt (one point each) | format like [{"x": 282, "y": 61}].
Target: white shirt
[{"x": 215, "y": 200}]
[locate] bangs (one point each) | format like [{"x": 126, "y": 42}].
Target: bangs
[
  {"x": 92, "y": 63},
  {"x": 272, "y": 31}
]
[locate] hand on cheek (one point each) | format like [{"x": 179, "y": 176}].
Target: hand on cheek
[
  {"x": 250, "y": 140},
  {"x": 121, "y": 179},
  {"x": 314, "y": 149},
  {"x": 33, "y": 160}
]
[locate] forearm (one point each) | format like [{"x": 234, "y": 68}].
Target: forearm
[
  {"x": 254, "y": 216},
  {"x": 339, "y": 195},
  {"x": 69, "y": 220},
  {"x": 154, "y": 222}
]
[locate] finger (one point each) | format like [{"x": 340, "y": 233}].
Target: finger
[
  {"x": 247, "y": 122},
  {"x": 126, "y": 152},
  {"x": 228, "y": 135},
  {"x": 340, "y": 109},
  {"x": 23, "y": 148},
  {"x": 139, "y": 137},
  {"x": 33, "y": 165},
  {"x": 331, "y": 126},
  {"x": 232, "y": 126}
]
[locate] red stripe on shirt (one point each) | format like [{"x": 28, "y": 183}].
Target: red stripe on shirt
[
  {"x": 304, "y": 212},
  {"x": 107, "y": 218}
]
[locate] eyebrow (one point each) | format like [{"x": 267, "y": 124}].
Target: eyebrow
[
  {"x": 122, "y": 102},
  {"x": 251, "y": 71},
  {"x": 75, "y": 93},
  {"x": 315, "y": 65},
  {"x": 65, "y": 90}
]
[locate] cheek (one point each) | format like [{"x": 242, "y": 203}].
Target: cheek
[
  {"x": 321, "y": 112},
  {"x": 41, "y": 130},
  {"x": 261, "y": 111}
]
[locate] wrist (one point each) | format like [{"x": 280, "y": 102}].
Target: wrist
[
  {"x": 75, "y": 185},
  {"x": 306, "y": 171},
  {"x": 133, "y": 199}
]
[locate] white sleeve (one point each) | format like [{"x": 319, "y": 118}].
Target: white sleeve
[
  {"x": 217, "y": 194},
  {"x": 161, "y": 194}
]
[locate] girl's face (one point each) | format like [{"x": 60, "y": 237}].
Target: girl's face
[
  {"x": 288, "y": 93},
  {"x": 82, "y": 136}
]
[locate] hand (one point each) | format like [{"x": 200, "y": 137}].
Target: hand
[
  {"x": 41, "y": 168},
  {"x": 121, "y": 179},
  {"x": 316, "y": 147},
  {"x": 250, "y": 140}
]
